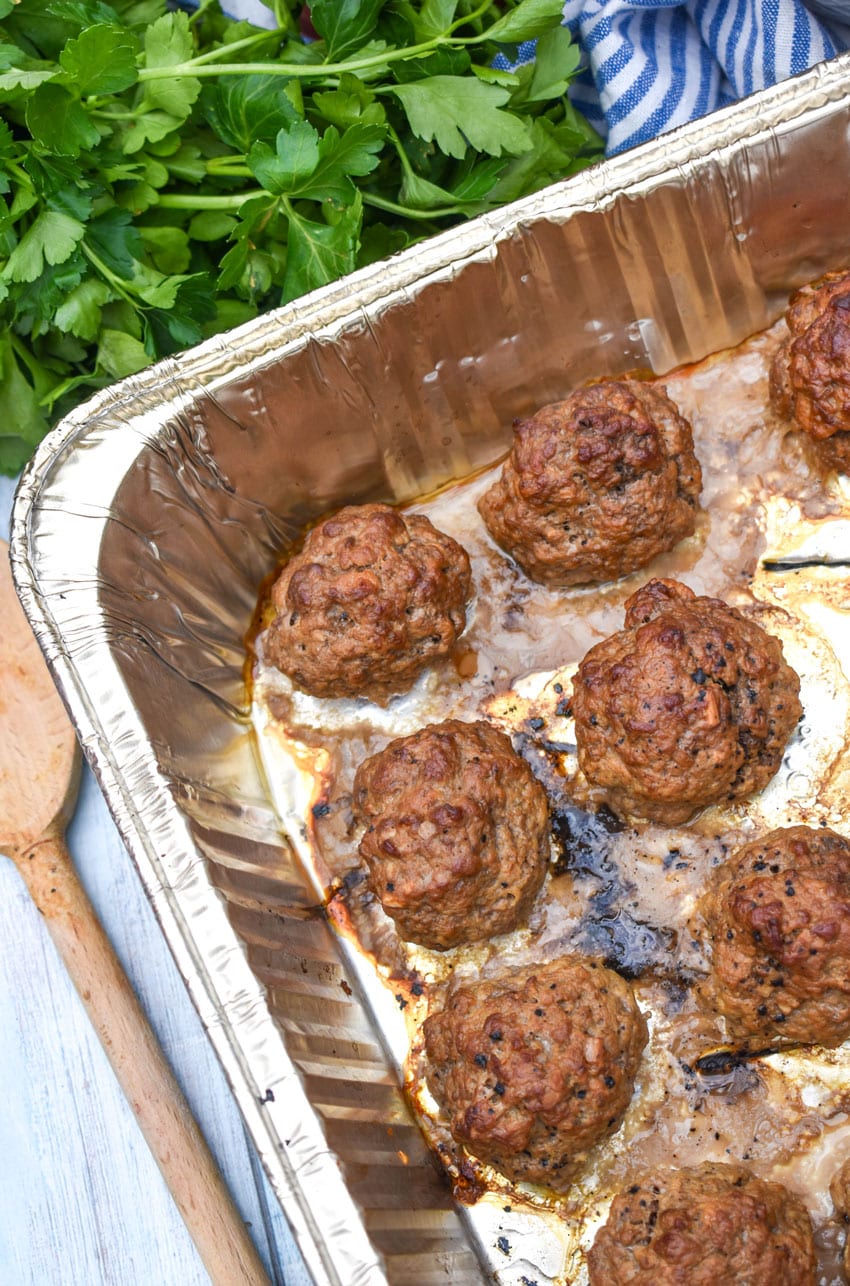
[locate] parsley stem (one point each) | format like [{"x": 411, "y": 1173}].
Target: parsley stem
[
  {"x": 25, "y": 355},
  {"x": 402, "y": 155},
  {"x": 283, "y": 17},
  {"x": 304, "y": 71},
  {"x": 199, "y": 12},
  {"x": 202, "y": 66},
  {"x": 470, "y": 17},
  {"x": 228, "y": 167},
  {"x": 212, "y": 54},
  {"x": 189, "y": 201},
  {"x": 107, "y": 274},
  {"x": 407, "y": 212},
  {"x": 132, "y": 115},
  {"x": 19, "y": 173},
  {"x": 230, "y": 172}
]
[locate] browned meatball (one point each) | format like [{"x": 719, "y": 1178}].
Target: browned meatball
[
  {"x": 778, "y": 918},
  {"x": 810, "y": 376},
  {"x": 691, "y": 703},
  {"x": 839, "y": 1190},
  {"x": 597, "y": 485},
  {"x": 373, "y": 598},
  {"x": 457, "y": 833},
  {"x": 706, "y": 1225},
  {"x": 535, "y": 1067}
]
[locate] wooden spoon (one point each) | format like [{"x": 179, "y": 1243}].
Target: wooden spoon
[{"x": 39, "y": 777}]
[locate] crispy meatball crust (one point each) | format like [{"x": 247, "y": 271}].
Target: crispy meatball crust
[
  {"x": 373, "y": 598},
  {"x": 810, "y": 376},
  {"x": 597, "y": 485},
  {"x": 706, "y": 1225},
  {"x": 535, "y": 1067},
  {"x": 457, "y": 833},
  {"x": 690, "y": 704},
  {"x": 778, "y": 918}
]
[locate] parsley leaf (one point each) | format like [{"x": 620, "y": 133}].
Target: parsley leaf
[
  {"x": 139, "y": 13},
  {"x": 435, "y": 18},
  {"x": 120, "y": 354},
  {"x": 351, "y": 102},
  {"x": 458, "y": 113},
  {"x": 340, "y": 156},
  {"x": 167, "y": 247},
  {"x": 102, "y": 60},
  {"x": 422, "y": 194},
  {"x": 318, "y": 253},
  {"x": 19, "y": 407},
  {"x": 234, "y": 264},
  {"x": 149, "y": 128},
  {"x": 250, "y": 109},
  {"x": 530, "y": 19},
  {"x": 25, "y": 78},
  {"x": 168, "y": 43},
  {"x": 478, "y": 181},
  {"x": 53, "y": 238},
  {"x": 58, "y": 122},
  {"x": 211, "y": 225},
  {"x": 82, "y": 13},
  {"x": 556, "y": 152},
  {"x": 295, "y": 157},
  {"x": 344, "y": 25},
  {"x": 556, "y": 62},
  {"x": 79, "y": 314},
  {"x": 445, "y": 62},
  {"x": 186, "y": 303},
  {"x": 36, "y": 301},
  {"x": 58, "y": 182},
  {"x": 114, "y": 239}
]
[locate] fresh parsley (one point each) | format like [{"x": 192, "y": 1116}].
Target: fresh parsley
[{"x": 166, "y": 175}]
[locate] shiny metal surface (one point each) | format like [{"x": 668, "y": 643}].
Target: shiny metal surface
[{"x": 148, "y": 519}]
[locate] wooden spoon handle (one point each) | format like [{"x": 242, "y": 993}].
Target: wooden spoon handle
[{"x": 163, "y": 1114}]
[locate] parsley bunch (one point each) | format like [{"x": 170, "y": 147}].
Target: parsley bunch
[{"x": 166, "y": 176}]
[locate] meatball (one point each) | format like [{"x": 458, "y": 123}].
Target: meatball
[
  {"x": 778, "y": 919},
  {"x": 535, "y": 1067},
  {"x": 690, "y": 704},
  {"x": 457, "y": 833},
  {"x": 597, "y": 485},
  {"x": 810, "y": 376},
  {"x": 373, "y": 598},
  {"x": 706, "y": 1225}
]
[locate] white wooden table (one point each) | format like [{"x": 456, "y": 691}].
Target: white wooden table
[{"x": 82, "y": 1202}]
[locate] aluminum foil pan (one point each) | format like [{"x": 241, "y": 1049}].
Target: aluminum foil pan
[{"x": 148, "y": 519}]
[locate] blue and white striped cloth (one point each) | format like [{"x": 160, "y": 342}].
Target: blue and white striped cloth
[{"x": 654, "y": 64}]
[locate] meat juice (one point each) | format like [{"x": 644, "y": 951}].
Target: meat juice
[{"x": 768, "y": 529}]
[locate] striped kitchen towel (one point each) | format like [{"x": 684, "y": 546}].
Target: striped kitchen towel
[{"x": 654, "y": 64}]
